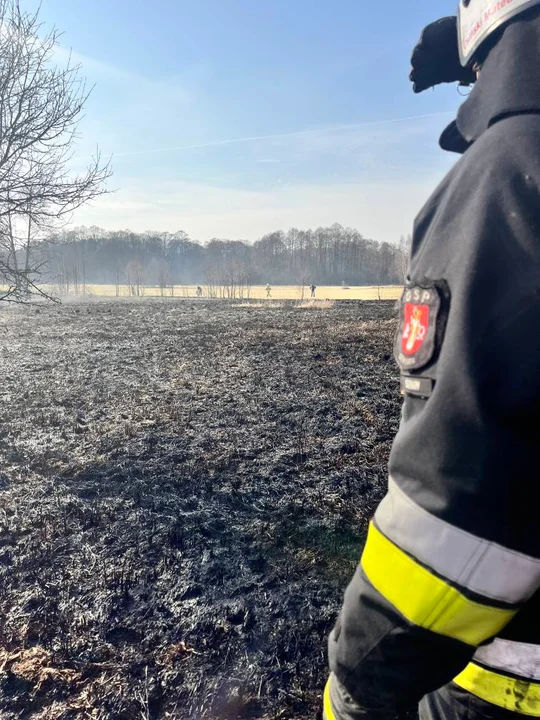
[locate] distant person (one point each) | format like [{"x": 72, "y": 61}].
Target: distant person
[
  {"x": 312, "y": 288},
  {"x": 199, "y": 292},
  {"x": 268, "y": 291}
]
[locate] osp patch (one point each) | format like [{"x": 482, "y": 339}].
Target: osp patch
[{"x": 421, "y": 325}]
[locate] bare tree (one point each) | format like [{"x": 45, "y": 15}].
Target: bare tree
[
  {"x": 135, "y": 277},
  {"x": 117, "y": 282},
  {"x": 164, "y": 276},
  {"x": 41, "y": 104},
  {"x": 385, "y": 262},
  {"x": 333, "y": 255},
  {"x": 402, "y": 255}
]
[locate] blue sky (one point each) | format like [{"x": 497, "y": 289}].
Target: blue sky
[{"x": 232, "y": 118}]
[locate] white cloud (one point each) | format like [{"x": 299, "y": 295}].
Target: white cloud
[
  {"x": 321, "y": 139},
  {"x": 127, "y": 109},
  {"x": 148, "y": 126},
  {"x": 92, "y": 66},
  {"x": 381, "y": 211},
  {"x": 303, "y": 179}
]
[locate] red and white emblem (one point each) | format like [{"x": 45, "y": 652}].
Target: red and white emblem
[
  {"x": 415, "y": 327},
  {"x": 421, "y": 327}
]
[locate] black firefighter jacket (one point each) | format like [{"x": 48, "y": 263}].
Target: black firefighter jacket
[{"x": 446, "y": 591}]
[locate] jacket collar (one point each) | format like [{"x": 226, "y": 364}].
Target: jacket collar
[{"x": 509, "y": 84}]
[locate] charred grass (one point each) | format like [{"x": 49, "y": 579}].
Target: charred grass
[{"x": 184, "y": 492}]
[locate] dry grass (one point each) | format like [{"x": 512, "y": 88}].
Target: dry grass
[
  {"x": 317, "y": 304},
  {"x": 260, "y": 304},
  {"x": 256, "y": 292}
]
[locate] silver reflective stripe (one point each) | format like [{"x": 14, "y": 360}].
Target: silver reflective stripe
[
  {"x": 479, "y": 565},
  {"x": 512, "y": 657}
]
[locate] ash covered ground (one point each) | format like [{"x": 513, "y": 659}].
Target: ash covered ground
[{"x": 184, "y": 493}]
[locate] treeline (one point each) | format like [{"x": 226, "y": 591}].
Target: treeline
[{"x": 326, "y": 256}]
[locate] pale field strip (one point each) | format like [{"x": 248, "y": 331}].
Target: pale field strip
[{"x": 255, "y": 292}]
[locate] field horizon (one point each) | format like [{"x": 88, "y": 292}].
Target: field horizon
[{"x": 255, "y": 292}]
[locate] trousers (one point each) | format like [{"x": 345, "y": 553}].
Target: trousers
[{"x": 453, "y": 703}]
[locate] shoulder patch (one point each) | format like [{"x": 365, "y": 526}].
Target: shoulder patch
[{"x": 421, "y": 325}]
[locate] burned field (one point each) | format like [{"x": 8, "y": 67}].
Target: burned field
[{"x": 184, "y": 492}]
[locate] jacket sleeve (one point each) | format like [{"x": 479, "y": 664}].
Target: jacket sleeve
[{"x": 452, "y": 551}]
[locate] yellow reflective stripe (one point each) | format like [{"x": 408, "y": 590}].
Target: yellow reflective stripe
[
  {"x": 425, "y": 599},
  {"x": 328, "y": 711},
  {"x": 488, "y": 569},
  {"x": 520, "y": 696}
]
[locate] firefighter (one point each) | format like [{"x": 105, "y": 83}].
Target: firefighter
[{"x": 444, "y": 608}]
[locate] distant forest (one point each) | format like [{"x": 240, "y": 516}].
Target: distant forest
[{"x": 326, "y": 256}]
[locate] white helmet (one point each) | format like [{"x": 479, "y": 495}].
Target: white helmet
[{"x": 477, "y": 19}]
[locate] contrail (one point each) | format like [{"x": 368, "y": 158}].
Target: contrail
[{"x": 297, "y": 133}]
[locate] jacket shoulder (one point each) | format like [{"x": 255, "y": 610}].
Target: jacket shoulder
[{"x": 508, "y": 149}]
